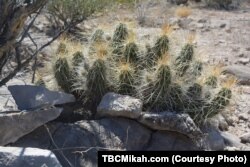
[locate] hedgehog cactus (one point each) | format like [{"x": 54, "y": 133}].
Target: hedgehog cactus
[
  {"x": 126, "y": 79},
  {"x": 120, "y": 34},
  {"x": 176, "y": 98},
  {"x": 62, "y": 74},
  {"x": 195, "y": 91},
  {"x": 97, "y": 82},
  {"x": 161, "y": 46},
  {"x": 62, "y": 48},
  {"x": 158, "y": 88},
  {"x": 118, "y": 65},
  {"x": 219, "y": 102},
  {"x": 212, "y": 81},
  {"x": 131, "y": 53},
  {"x": 184, "y": 59},
  {"x": 197, "y": 68},
  {"x": 150, "y": 58},
  {"x": 77, "y": 59},
  {"x": 98, "y": 36}
]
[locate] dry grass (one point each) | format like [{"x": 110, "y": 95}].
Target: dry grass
[{"x": 183, "y": 12}]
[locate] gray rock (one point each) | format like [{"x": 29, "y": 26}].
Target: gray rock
[
  {"x": 27, "y": 157},
  {"x": 28, "y": 97},
  {"x": 244, "y": 60},
  {"x": 164, "y": 140},
  {"x": 245, "y": 138},
  {"x": 170, "y": 121},
  {"x": 231, "y": 140},
  {"x": 243, "y": 116},
  {"x": 14, "y": 125},
  {"x": 241, "y": 72},
  {"x": 214, "y": 140},
  {"x": 84, "y": 138},
  {"x": 119, "y": 106},
  {"x": 220, "y": 121}
]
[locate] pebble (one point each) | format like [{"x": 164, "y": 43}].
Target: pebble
[
  {"x": 244, "y": 61},
  {"x": 243, "y": 117},
  {"x": 245, "y": 138}
]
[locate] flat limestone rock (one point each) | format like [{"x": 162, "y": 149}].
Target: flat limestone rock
[
  {"x": 169, "y": 121},
  {"x": 239, "y": 71},
  {"x": 117, "y": 105},
  {"x": 16, "y": 124},
  {"x": 28, "y": 97},
  {"x": 27, "y": 157}
]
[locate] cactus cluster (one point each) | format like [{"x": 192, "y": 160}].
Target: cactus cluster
[{"x": 162, "y": 80}]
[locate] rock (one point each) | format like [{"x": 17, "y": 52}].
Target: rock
[
  {"x": 14, "y": 125},
  {"x": 223, "y": 25},
  {"x": 119, "y": 106},
  {"x": 231, "y": 140},
  {"x": 243, "y": 116},
  {"x": 245, "y": 138},
  {"x": 222, "y": 123},
  {"x": 28, "y": 97},
  {"x": 103, "y": 134},
  {"x": 213, "y": 141},
  {"x": 27, "y": 157},
  {"x": 164, "y": 140},
  {"x": 170, "y": 121},
  {"x": 241, "y": 72},
  {"x": 202, "y": 21},
  {"x": 244, "y": 60},
  {"x": 240, "y": 55}
]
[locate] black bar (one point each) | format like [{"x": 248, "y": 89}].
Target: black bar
[{"x": 173, "y": 158}]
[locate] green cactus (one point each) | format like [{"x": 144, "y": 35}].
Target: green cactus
[
  {"x": 131, "y": 53},
  {"x": 62, "y": 48},
  {"x": 119, "y": 66},
  {"x": 161, "y": 46},
  {"x": 126, "y": 79},
  {"x": 156, "y": 92},
  {"x": 219, "y": 102},
  {"x": 195, "y": 91},
  {"x": 150, "y": 58},
  {"x": 62, "y": 74},
  {"x": 98, "y": 36},
  {"x": 197, "y": 68},
  {"x": 175, "y": 99},
  {"x": 120, "y": 34},
  {"x": 97, "y": 83},
  {"x": 184, "y": 59},
  {"x": 211, "y": 81},
  {"x": 77, "y": 59}
]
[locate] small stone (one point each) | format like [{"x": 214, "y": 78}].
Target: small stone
[
  {"x": 202, "y": 21},
  {"x": 243, "y": 117},
  {"x": 241, "y": 55},
  {"x": 223, "y": 25},
  {"x": 245, "y": 138},
  {"x": 243, "y": 61}
]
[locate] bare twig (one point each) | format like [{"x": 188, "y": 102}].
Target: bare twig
[{"x": 46, "y": 127}]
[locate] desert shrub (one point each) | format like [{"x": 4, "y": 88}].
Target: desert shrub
[
  {"x": 71, "y": 12},
  {"x": 162, "y": 79},
  {"x": 183, "y": 12}
]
